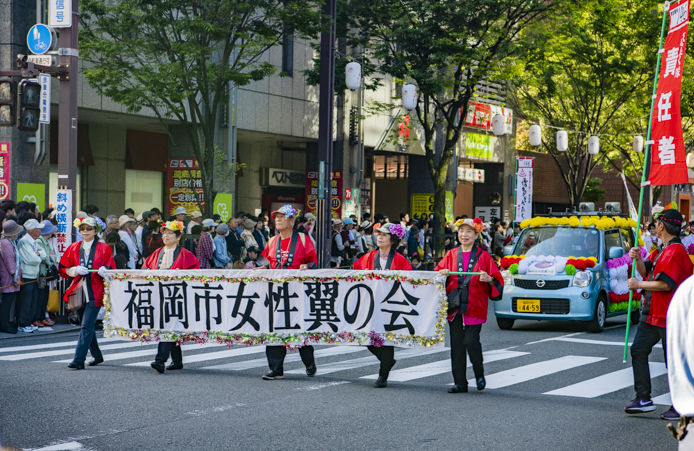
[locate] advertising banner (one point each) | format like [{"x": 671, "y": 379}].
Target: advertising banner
[
  {"x": 524, "y": 189},
  {"x": 185, "y": 185}
]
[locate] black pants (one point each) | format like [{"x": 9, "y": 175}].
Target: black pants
[
  {"x": 646, "y": 337},
  {"x": 26, "y": 302},
  {"x": 41, "y": 303},
  {"x": 7, "y": 311},
  {"x": 465, "y": 340},
  {"x": 386, "y": 355},
  {"x": 275, "y": 357},
  {"x": 167, "y": 348}
]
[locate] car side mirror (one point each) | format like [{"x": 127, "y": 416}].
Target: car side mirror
[
  {"x": 615, "y": 252},
  {"x": 508, "y": 250}
]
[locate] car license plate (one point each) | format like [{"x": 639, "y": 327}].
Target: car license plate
[{"x": 528, "y": 305}]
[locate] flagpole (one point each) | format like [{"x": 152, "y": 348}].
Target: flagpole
[{"x": 646, "y": 159}]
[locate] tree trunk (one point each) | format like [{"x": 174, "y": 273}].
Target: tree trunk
[{"x": 439, "y": 226}]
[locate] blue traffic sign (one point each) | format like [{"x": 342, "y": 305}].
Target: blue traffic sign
[{"x": 39, "y": 39}]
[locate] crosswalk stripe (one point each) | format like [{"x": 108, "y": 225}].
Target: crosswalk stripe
[
  {"x": 36, "y": 355},
  {"x": 596, "y": 342},
  {"x": 60, "y": 344},
  {"x": 211, "y": 355},
  {"x": 294, "y": 357},
  {"x": 150, "y": 350},
  {"x": 607, "y": 383},
  {"x": 442, "y": 366},
  {"x": 663, "y": 400},
  {"x": 535, "y": 370},
  {"x": 359, "y": 362}
]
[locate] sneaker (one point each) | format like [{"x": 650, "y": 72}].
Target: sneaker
[
  {"x": 272, "y": 375},
  {"x": 670, "y": 414},
  {"x": 639, "y": 405},
  {"x": 26, "y": 330},
  {"x": 33, "y": 328}
]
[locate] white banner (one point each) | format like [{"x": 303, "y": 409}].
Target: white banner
[
  {"x": 60, "y": 13},
  {"x": 291, "y": 307},
  {"x": 45, "y": 105},
  {"x": 524, "y": 189},
  {"x": 63, "y": 218}
]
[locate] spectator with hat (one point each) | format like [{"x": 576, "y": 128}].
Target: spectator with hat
[
  {"x": 47, "y": 271},
  {"x": 141, "y": 221},
  {"x": 10, "y": 276},
  {"x": 251, "y": 260},
  {"x": 127, "y": 234},
  {"x": 663, "y": 271},
  {"x": 30, "y": 257},
  {"x": 337, "y": 244},
  {"x": 195, "y": 219},
  {"x": 221, "y": 257},
  {"x": 204, "y": 251},
  {"x": 247, "y": 234},
  {"x": 181, "y": 214}
]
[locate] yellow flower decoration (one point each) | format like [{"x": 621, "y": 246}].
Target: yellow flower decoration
[
  {"x": 593, "y": 259},
  {"x": 173, "y": 225},
  {"x": 602, "y": 223}
]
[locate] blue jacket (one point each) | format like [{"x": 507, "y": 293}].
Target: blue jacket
[{"x": 220, "y": 256}]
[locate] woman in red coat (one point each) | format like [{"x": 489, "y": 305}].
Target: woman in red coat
[
  {"x": 76, "y": 263},
  {"x": 170, "y": 256},
  {"x": 385, "y": 257},
  {"x": 468, "y": 298}
]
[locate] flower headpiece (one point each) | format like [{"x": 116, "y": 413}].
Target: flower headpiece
[
  {"x": 90, "y": 221},
  {"x": 287, "y": 210},
  {"x": 475, "y": 224},
  {"x": 397, "y": 230},
  {"x": 174, "y": 226}
]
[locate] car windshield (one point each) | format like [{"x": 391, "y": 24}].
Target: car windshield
[{"x": 559, "y": 241}]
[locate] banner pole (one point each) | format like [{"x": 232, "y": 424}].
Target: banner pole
[{"x": 646, "y": 158}]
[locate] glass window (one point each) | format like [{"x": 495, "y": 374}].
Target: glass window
[
  {"x": 627, "y": 239},
  {"x": 288, "y": 54},
  {"x": 612, "y": 239},
  {"x": 559, "y": 241}
]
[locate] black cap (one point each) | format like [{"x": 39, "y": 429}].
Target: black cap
[
  {"x": 671, "y": 216},
  {"x": 253, "y": 249}
]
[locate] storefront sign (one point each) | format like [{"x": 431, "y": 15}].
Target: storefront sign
[
  {"x": 479, "y": 115},
  {"x": 63, "y": 218},
  {"x": 284, "y": 177},
  {"x": 488, "y": 213},
  {"x": 185, "y": 185},
  {"x": 351, "y": 202},
  {"x": 524, "y": 189},
  {"x": 479, "y": 146},
  {"x": 32, "y": 192},
  {"x": 422, "y": 205},
  {"x": 335, "y": 193},
  {"x": 402, "y": 308},
  {"x": 4, "y": 170},
  {"x": 223, "y": 205},
  {"x": 471, "y": 175}
]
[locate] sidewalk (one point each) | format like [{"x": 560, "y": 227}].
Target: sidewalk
[{"x": 58, "y": 328}]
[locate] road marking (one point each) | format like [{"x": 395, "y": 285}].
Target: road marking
[
  {"x": 60, "y": 447},
  {"x": 536, "y": 370},
  {"x": 607, "y": 383},
  {"x": 597, "y": 342},
  {"x": 257, "y": 363},
  {"x": 36, "y": 355},
  {"x": 61, "y": 344},
  {"x": 216, "y": 409},
  {"x": 663, "y": 400},
  {"x": 442, "y": 366},
  {"x": 553, "y": 338},
  {"x": 149, "y": 351},
  {"x": 211, "y": 355},
  {"x": 321, "y": 386},
  {"x": 344, "y": 365}
]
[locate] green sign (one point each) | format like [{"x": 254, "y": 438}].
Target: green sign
[
  {"x": 222, "y": 205},
  {"x": 450, "y": 216},
  {"x": 479, "y": 146},
  {"x": 32, "y": 192}
]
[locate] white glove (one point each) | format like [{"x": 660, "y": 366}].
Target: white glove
[
  {"x": 104, "y": 275},
  {"x": 82, "y": 270}
]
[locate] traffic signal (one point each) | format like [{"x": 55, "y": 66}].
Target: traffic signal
[
  {"x": 29, "y": 111},
  {"x": 8, "y": 98}
]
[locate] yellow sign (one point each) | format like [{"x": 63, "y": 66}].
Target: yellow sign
[{"x": 422, "y": 205}]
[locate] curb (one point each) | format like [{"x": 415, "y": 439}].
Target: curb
[{"x": 4, "y": 336}]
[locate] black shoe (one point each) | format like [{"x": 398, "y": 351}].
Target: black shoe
[
  {"x": 158, "y": 366},
  {"x": 670, "y": 414},
  {"x": 381, "y": 382},
  {"x": 311, "y": 370},
  {"x": 95, "y": 362},
  {"x": 76, "y": 366},
  {"x": 175, "y": 366},
  {"x": 481, "y": 383},
  {"x": 272, "y": 375},
  {"x": 9, "y": 331},
  {"x": 458, "y": 389}
]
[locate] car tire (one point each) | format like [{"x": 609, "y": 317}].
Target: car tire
[
  {"x": 597, "y": 324},
  {"x": 505, "y": 323},
  {"x": 635, "y": 317}
]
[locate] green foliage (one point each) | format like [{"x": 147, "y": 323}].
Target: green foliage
[
  {"x": 593, "y": 191},
  {"x": 177, "y": 57}
]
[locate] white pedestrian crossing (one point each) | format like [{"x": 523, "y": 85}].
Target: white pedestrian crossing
[
  {"x": 607, "y": 383},
  {"x": 60, "y": 344},
  {"x": 67, "y": 351},
  {"x": 663, "y": 400},
  {"x": 293, "y": 357},
  {"x": 205, "y": 356},
  {"x": 151, "y": 349}
]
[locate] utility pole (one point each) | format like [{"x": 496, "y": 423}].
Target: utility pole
[{"x": 67, "y": 110}]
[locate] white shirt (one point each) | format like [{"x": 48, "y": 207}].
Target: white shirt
[
  {"x": 384, "y": 261},
  {"x": 167, "y": 259},
  {"x": 126, "y": 238},
  {"x": 680, "y": 348},
  {"x": 72, "y": 271}
]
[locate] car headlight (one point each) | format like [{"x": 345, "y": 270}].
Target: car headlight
[
  {"x": 508, "y": 277},
  {"x": 583, "y": 278}
]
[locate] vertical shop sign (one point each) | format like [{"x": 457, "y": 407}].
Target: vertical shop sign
[
  {"x": 524, "y": 189},
  {"x": 335, "y": 193},
  {"x": 63, "y": 217},
  {"x": 4, "y": 170},
  {"x": 185, "y": 185}
]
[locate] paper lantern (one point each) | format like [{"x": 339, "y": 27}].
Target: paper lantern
[
  {"x": 409, "y": 97},
  {"x": 499, "y": 125},
  {"x": 353, "y": 75},
  {"x": 637, "y": 145},
  {"x": 593, "y": 145},
  {"x": 562, "y": 141},
  {"x": 690, "y": 160},
  {"x": 535, "y": 135}
]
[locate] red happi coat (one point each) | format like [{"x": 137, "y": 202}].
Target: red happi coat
[
  {"x": 399, "y": 262},
  {"x": 479, "y": 293},
  {"x": 184, "y": 260},
  {"x": 103, "y": 257},
  {"x": 305, "y": 252}
]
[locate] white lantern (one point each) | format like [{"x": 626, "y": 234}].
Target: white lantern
[
  {"x": 535, "y": 135},
  {"x": 499, "y": 125},
  {"x": 690, "y": 160},
  {"x": 637, "y": 145},
  {"x": 593, "y": 145},
  {"x": 562, "y": 141},
  {"x": 353, "y": 75},
  {"x": 409, "y": 97}
]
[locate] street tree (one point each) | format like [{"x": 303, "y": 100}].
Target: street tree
[{"x": 177, "y": 58}]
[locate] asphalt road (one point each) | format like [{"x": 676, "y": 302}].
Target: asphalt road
[{"x": 550, "y": 386}]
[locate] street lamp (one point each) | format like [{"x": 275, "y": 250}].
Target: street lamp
[
  {"x": 535, "y": 135},
  {"x": 409, "y": 97},
  {"x": 637, "y": 145},
  {"x": 593, "y": 145},
  {"x": 562, "y": 141}
]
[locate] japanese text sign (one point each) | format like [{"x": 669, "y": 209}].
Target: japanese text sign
[
  {"x": 524, "y": 189},
  {"x": 335, "y": 193},
  {"x": 185, "y": 185},
  {"x": 63, "y": 217},
  {"x": 4, "y": 170}
]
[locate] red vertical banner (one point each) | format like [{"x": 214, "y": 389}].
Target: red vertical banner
[
  {"x": 4, "y": 170},
  {"x": 668, "y": 156}
]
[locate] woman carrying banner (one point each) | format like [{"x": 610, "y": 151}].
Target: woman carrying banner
[
  {"x": 170, "y": 256},
  {"x": 78, "y": 263},
  {"x": 468, "y": 297},
  {"x": 288, "y": 250},
  {"x": 387, "y": 239}
]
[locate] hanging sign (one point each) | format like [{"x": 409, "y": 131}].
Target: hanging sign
[
  {"x": 4, "y": 170},
  {"x": 668, "y": 156},
  {"x": 185, "y": 185},
  {"x": 524, "y": 189},
  {"x": 60, "y": 13},
  {"x": 63, "y": 218}
]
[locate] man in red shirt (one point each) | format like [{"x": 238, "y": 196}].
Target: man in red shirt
[
  {"x": 662, "y": 273},
  {"x": 288, "y": 250}
]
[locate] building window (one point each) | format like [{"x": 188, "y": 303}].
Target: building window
[
  {"x": 288, "y": 54},
  {"x": 390, "y": 167}
]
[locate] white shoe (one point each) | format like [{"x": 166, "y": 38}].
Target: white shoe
[
  {"x": 26, "y": 330},
  {"x": 33, "y": 328}
]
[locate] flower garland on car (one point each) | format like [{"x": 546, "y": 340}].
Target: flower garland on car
[{"x": 601, "y": 223}]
